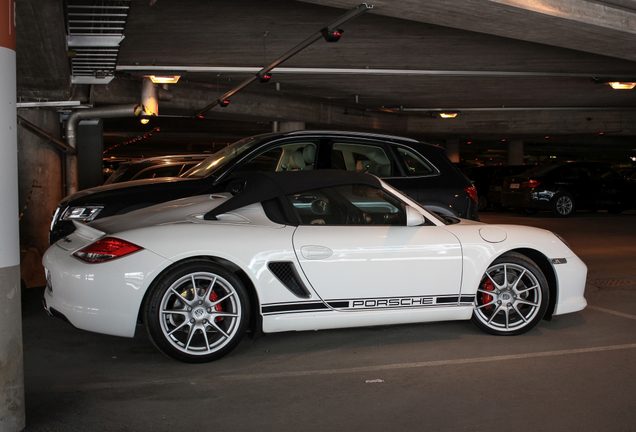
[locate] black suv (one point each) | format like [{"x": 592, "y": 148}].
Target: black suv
[
  {"x": 420, "y": 170},
  {"x": 565, "y": 187}
]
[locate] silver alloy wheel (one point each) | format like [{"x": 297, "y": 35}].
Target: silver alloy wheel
[
  {"x": 200, "y": 313},
  {"x": 564, "y": 205},
  {"x": 509, "y": 298}
]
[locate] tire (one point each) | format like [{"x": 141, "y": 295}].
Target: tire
[
  {"x": 512, "y": 296},
  {"x": 562, "y": 204},
  {"x": 197, "y": 325},
  {"x": 526, "y": 211}
]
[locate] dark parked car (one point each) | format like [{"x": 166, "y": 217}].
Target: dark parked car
[
  {"x": 488, "y": 181},
  {"x": 163, "y": 166},
  {"x": 420, "y": 170},
  {"x": 565, "y": 187}
]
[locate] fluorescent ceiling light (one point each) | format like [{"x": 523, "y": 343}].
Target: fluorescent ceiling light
[{"x": 157, "y": 79}]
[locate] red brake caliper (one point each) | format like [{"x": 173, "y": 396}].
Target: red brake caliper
[
  {"x": 218, "y": 308},
  {"x": 486, "y": 298}
]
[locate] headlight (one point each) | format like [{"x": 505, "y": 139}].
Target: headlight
[{"x": 85, "y": 213}]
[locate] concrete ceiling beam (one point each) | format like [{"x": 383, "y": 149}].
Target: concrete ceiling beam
[{"x": 588, "y": 26}]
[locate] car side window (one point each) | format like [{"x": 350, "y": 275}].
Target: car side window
[
  {"x": 348, "y": 205},
  {"x": 298, "y": 156},
  {"x": 361, "y": 158},
  {"x": 570, "y": 173},
  {"x": 414, "y": 164}
]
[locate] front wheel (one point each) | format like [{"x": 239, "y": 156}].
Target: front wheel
[
  {"x": 512, "y": 296},
  {"x": 197, "y": 312}
]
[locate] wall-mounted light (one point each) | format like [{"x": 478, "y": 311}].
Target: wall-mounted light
[
  {"x": 264, "y": 77},
  {"x": 145, "y": 120},
  {"x": 224, "y": 103},
  {"x": 168, "y": 79},
  {"x": 618, "y": 85}
]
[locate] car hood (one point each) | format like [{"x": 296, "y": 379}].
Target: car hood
[{"x": 177, "y": 211}]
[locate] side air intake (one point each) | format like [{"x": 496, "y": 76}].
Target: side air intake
[{"x": 286, "y": 273}]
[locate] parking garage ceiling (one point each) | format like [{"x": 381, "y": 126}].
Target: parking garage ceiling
[{"x": 512, "y": 69}]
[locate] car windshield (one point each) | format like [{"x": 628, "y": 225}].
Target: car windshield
[{"x": 221, "y": 158}]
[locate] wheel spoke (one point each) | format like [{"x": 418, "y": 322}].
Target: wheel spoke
[
  {"x": 505, "y": 272},
  {"x": 178, "y": 328},
  {"x": 226, "y": 314},
  {"x": 514, "y": 306},
  {"x": 180, "y": 296},
  {"x": 528, "y": 289},
  {"x": 485, "y": 304},
  {"x": 174, "y": 311},
  {"x": 492, "y": 280},
  {"x": 205, "y": 336},
  {"x": 219, "y": 329},
  {"x": 507, "y": 313},
  {"x": 193, "y": 330},
  {"x": 208, "y": 290},
  {"x": 518, "y": 280},
  {"x": 494, "y": 313},
  {"x": 527, "y": 302},
  {"x": 221, "y": 299}
]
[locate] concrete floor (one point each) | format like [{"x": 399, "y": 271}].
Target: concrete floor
[{"x": 574, "y": 373}]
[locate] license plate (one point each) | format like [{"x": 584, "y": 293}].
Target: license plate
[{"x": 514, "y": 185}]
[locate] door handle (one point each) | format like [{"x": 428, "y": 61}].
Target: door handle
[{"x": 315, "y": 252}]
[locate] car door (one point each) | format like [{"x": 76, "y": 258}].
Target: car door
[{"x": 355, "y": 249}]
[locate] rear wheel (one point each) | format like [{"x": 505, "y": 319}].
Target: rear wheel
[
  {"x": 512, "y": 296},
  {"x": 563, "y": 204},
  {"x": 197, "y": 312}
]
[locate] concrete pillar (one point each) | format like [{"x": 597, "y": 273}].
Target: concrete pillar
[
  {"x": 515, "y": 152},
  {"x": 452, "y": 149},
  {"x": 288, "y": 126},
  {"x": 12, "y": 413},
  {"x": 40, "y": 190}
]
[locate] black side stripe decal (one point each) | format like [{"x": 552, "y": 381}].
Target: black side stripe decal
[{"x": 346, "y": 304}]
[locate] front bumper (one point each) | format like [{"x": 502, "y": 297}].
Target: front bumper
[{"x": 527, "y": 198}]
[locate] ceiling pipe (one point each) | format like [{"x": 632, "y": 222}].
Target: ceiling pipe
[
  {"x": 351, "y": 14},
  {"x": 149, "y": 99},
  {"x": 71, "y": 138}
]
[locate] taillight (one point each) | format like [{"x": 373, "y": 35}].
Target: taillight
[
  {"x": 472, "y": 192},
  {"x": 531, "y": 183},
  {"x": 106, "y": 249}
]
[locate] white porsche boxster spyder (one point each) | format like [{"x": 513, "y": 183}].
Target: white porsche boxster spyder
[{"x": 302, "y": 250}]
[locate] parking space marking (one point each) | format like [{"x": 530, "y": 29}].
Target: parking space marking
[
  {"x": 427, "y": 364},
  {"x": 613, "y": 312}
]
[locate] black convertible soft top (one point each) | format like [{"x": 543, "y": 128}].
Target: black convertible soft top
[{"x": 250, "y": 187}]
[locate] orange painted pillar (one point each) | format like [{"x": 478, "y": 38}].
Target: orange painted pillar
[{"x": 12, "y": 413}]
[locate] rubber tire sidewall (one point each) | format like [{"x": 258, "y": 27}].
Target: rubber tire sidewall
[
  {"x": 522, "y": 260},
  {"x": 153, "y": 304}
]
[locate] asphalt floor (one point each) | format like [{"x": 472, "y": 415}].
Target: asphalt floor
[{"x": 576, "y": 372}]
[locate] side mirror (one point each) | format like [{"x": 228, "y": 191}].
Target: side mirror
[{"x": 413, "y": 217}]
